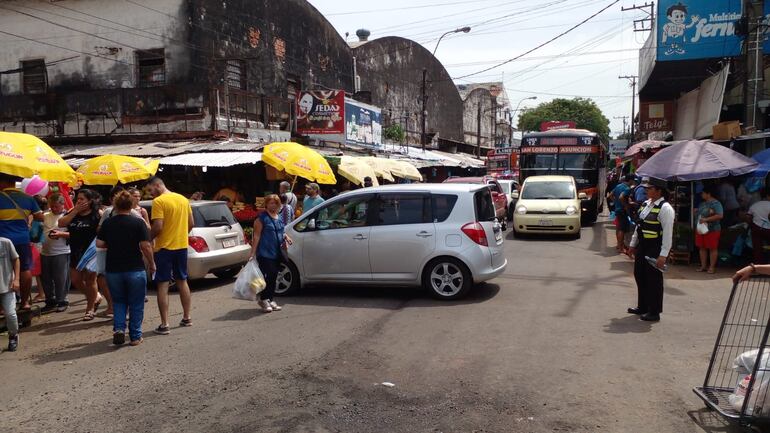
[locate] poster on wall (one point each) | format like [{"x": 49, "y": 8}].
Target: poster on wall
[
  {"x": 321, "y": 112},
  {"x": 363, "y": 123},
  {"x": 697, "y": 29}
]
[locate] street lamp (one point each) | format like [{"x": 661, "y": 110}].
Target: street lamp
[
  {"x": 519, "y": 105},
  {"x": 465, "y": 29}
]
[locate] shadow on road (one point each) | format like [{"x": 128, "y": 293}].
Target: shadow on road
[
  {"x": 627, "y": 325},
  {"x": 363, "y": 297},
  {"x": 75, "y": 352},
  {"x": 710, "y": 422}
]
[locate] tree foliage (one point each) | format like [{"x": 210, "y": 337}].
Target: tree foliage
[
  {"x": 584, "y": 112},
  {"x": 394, "y": 132}
]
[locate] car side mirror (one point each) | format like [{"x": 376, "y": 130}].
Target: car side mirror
[
  {"x": 311, "y": 224},
  {"x": 515, "y": 195},
  {"x": 582, "y": 196}
]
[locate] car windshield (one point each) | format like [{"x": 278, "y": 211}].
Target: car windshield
[
  {"x": 506, "y": 187},
  {"x": 555, "y": 190}
]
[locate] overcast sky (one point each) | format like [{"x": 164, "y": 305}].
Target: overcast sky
[{"x": 585, "y": 62}]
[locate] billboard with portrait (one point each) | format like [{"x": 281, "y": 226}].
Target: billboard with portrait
[{"x": 321, "y": 112}]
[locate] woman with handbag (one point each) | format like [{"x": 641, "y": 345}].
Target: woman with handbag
[
  {"x": 710, "y": 213},
  {"x": 268, "y": 246}
]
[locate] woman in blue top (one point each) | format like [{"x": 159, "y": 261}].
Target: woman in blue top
[
  {"x": 710, "y": 212},
  {"x": 268, "y": 239}
]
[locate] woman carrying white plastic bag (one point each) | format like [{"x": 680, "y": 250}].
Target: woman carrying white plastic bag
[{"x": 250, "y": 282}]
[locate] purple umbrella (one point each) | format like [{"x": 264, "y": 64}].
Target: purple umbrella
[{"x": 696, "y": 160}]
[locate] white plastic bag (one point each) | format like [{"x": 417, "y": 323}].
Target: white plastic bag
[
  {"x": 743, "y": 365},
  {"x": 702, "y": 228},
  {"x": 249, "y": 283}
]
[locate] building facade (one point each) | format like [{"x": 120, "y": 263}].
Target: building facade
[
  {"x": 84, "y": 69},
  {"x": 391, "y": 70}
]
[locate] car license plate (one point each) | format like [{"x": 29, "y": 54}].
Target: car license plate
[
  {"x": 228, "y": 243},
  {"x": 546, "y": 223}
]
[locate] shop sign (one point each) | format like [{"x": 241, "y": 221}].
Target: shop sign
[
  {"x": 618, "y": 148},
  {"x": 321, "y": 112},
  {"x": 556, "y": 124},
  {"x": 363, "y": 123},
  {"x": 656, "y": 116},
  {"x": 697, "y": 29}
]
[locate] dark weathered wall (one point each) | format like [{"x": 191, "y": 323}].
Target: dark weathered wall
[
  {"x": 391, "y": 68},
  {"x": 277, "y": 40}
]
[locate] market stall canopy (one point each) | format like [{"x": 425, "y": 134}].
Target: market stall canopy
[
  {"x": 404, "y": 169},
  {"x": 298, "y": 160},
  {"x": 115, "y": 169},
  {"x": 696, "y": 160},
  {"x": 380, "y": 166},
  {"x": 25, "y": 155},
  {"x": 646, "y": 145},
  {"x": 213, "y": 159},
  {"x": 356, "y": 170}
]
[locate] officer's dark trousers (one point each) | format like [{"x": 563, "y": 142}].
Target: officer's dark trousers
[{"x": 649, "y": 283}]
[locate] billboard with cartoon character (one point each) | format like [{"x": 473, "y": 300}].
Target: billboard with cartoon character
[{"x": 697, "y": 29}]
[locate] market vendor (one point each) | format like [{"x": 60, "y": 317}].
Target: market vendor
[{"x": 228, "y": 193}]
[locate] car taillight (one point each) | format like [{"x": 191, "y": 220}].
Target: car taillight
[
  {"x": 476, "y": 232},
  {"x": 198, "y": 244}
]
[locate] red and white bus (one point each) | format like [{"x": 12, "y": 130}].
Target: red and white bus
[{"x": 574, "y": 152}]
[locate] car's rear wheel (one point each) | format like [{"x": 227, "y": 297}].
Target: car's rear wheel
[
  {"x": 227, "y": 274},
  {"x": 447, "y": 278},
  {"x": 288, "y": 280}
]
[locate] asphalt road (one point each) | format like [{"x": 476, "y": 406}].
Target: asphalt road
[{"x": 546, "y": 347}]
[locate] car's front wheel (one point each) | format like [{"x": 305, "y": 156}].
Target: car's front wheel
[
  {"x": 447, "y": 278},
  {"x": 288, "y": 280}
]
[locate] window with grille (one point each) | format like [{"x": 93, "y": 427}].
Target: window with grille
[
  {"x": 34, "y": 79},
  {"x": 151, "y": 67},
  {"x": 236, "y": 74}
]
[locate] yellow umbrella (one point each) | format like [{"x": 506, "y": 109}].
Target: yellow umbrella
[
  {"x": 356, "y": 170},
  {"x": 405, "y": 170},
  {"x": 298, "y": 160},
  {"x": 380, "y": 166},
  {"x": 114, "y": 169},
  {"x": 25, "y": 155}
]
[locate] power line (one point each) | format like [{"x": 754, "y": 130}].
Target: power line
[
  {"x": 543, "y": 44},
  {"x": 65, "y": 48}
]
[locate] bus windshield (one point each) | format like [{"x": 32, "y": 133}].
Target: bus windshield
[{"x": 582, "y": 166}]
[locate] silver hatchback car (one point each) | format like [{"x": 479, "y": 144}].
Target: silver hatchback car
[
  {"x": 443, "y": 237},
  {"x": 217, "y": 244}
]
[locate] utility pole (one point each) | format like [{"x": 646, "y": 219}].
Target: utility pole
[
  {"x": 625, "y": 120},
  {"x": 424, "y": 101},
  {"x": 632, "y": 78},
  {"x": 644, "y": 24},
  {"x": 753, "y": 16},
  {"x": 478, "y": 129}
]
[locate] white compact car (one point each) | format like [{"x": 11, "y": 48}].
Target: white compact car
[
  {"x": 217, "y": 244},
  {"x": 443, "y": 237},
  {"x": 548, "y": 204}
]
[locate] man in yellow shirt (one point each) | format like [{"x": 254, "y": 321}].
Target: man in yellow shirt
[{"x": 172, "y": 221}]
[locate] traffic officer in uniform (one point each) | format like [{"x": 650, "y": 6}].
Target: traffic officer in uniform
[{"x": 652, "y": 238}]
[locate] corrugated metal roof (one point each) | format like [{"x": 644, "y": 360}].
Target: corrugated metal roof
[{"x": 213, "y": 159}]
